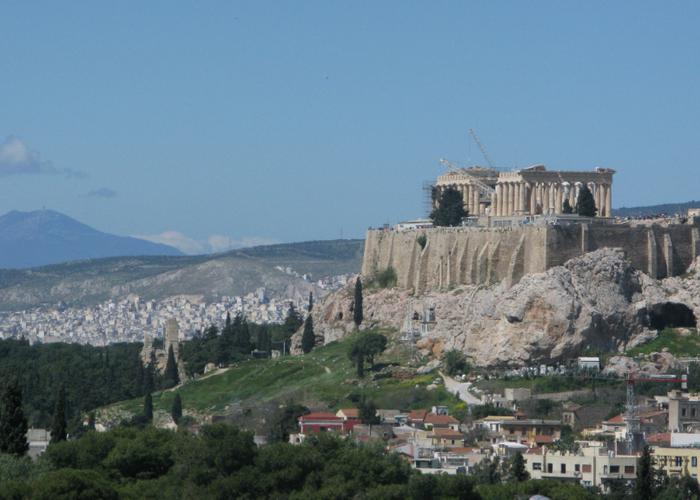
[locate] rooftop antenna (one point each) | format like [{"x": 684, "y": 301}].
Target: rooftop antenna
[{"x": 481, "y": 147}]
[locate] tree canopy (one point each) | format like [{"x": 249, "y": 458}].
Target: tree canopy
[
  {"x": 585, "y": 205},
  {"x": 450, "y": 209}
]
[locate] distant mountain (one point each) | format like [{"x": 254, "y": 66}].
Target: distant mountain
[
  {"x": 237, "y": 272},
  {"x": 666, "y": 208},
  {"x": 42, "y": 237}
]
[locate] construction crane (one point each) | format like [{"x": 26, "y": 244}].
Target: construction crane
[
  {"x": 483, "y": 187},
  {"x": 481, "y": 147}
]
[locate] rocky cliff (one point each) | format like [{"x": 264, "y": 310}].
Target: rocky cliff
[{"x": 597, "y": 300}]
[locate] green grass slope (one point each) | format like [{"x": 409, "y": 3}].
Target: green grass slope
[{"x": 321, "y": 379}]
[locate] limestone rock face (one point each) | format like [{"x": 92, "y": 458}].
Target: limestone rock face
[{"x": 596, "y": 300}]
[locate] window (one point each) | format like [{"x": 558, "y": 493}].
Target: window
[
  {"x": 587, "y": 468},
  {"x": 629, "y": 469},
  {"x": 682, "y": 412},
  {"x": 692, "y": 412},
  {"x": 678, "y": 461},
  {"x": 694, "y": 461},
  {"x": 614, "y": 469},
  {"x": 550, "y": 468},
  {"x": 536, "y": 466},
  {"x": 562, "y": 468},
  {"x": 577, "y": 468}
]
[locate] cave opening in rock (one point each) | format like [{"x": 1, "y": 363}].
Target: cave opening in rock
[{"x": 671, "y": 315}]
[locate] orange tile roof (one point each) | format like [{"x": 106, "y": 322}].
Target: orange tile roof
[
  {"x": 446, "y": 433},
  {"x": 350, "y": 412},
  {"x": 431, "y": 418},
  {"x": 543, "y": 438},
  {"x": 661, "y": 437}
]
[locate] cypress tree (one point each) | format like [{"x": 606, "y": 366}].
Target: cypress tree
[
  {"x": 585, "y": 205},
  {"x": 176, "y": 409},
  {"x": 58, "y": 424},
  {"x": 91, "y": 421},
  {"x": 450, "y": 209},
  {"x": 311, "y": 301},
  {"x": 517, "y": 468},
  {"x": 357, "y": 313},
  {"x": 241, "y": 339},
  {"x": 308, "y": 338},
  {"x": 171, "y": 377},
  {"x": 13, "y": 424},
  {"x": 644, "y": 488},
  {"x": 566, "y": 208},
  {"x": 148, "y": 407}
]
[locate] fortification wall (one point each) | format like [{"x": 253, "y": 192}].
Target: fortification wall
[{"x": 473, "y": 255}]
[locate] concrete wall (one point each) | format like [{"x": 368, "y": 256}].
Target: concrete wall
[{"x": 481, "y": 255}]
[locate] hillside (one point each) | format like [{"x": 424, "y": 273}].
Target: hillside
[
  {"x": 153, "y": 277},
  {"x": 665, "y": 208},
  {"x": 325, "y": 378},
  {"x": 42, "y": 237}
]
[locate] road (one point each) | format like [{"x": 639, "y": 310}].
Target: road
[{"x": 461, "y": 389}]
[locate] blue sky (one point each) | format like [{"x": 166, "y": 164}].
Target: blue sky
[{"x": 223, "y": 123}]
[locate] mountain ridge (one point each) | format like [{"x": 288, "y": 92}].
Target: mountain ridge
[{"x": 45, "y": 237}]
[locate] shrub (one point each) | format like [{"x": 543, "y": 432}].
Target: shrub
[
  {"x": 422, "y": 240},
  {"x": 386, "y": 278}
]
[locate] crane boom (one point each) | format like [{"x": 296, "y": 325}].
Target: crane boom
[
  {"x": 481, "y": 147},
  {"x": 483, "y": 187}
]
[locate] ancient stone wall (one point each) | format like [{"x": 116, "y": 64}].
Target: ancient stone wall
[{"x": 478, "y": 255}]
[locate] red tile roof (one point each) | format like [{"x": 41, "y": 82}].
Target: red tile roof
[
  {"x": 617, "y": 419},
  {"x": 431, "y": 418},
  {"x": 417, "y": 415},
  {"x": 661, "y": 437}
]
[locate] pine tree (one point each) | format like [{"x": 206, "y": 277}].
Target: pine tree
[
  {"x": 308, "y": 338},
  {"x": 585, "y": 205},
  {"x": 357, "y": 313},
  {"x": 13, "y": 424},
  {"x": 148, "y": 407},
  {"x": 450, "y": 209},
  {"x": 171, "y": 377},
  {"x": 58, "y": 424},
  {"x": 176, "y": 410},
  {"x": 311, "y": 301}
]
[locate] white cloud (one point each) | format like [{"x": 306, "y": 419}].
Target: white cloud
[
  {"x": 16, "y": 158},
  {"x": 213, "y": 244}
]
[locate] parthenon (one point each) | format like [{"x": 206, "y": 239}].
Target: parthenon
[{"x": 528, "y": 191}]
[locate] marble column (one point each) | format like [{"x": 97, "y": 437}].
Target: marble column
[
  {"x": 516, "y": 197},
  {"x": 533, "y": 198},
  {"x": 560, "y": 198},
  {"x": 608, "y": 200},
  {"x": 475, "y": 200}
]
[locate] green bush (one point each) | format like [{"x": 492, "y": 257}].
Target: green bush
[
  {"x": 422, "y": 240},
  {"x": 386, "y": 278}
]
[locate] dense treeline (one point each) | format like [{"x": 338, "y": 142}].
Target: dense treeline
[
  {"x": 236, "y": 340},
  {"x": 223, "y": 462},
  {"x": 90, "y": 376}
]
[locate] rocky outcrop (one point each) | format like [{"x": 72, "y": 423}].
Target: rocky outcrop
[{"x": 597, "y": 300}]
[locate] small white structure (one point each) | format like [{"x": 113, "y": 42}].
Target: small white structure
[
  {"x": 414, "y": 224},
  {"x": 591, "y": 363}
]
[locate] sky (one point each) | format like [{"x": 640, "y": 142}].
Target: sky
[{"x": 216, "y": 124}]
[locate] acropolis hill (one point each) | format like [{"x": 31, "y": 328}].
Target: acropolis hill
[{"x": 517, "y": 227}]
